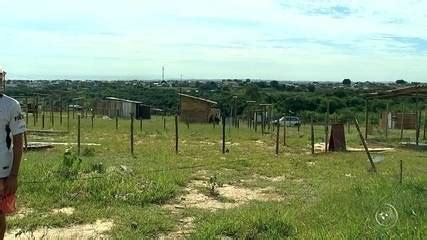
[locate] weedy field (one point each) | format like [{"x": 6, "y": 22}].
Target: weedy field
[{"x": 247, "y": 193}]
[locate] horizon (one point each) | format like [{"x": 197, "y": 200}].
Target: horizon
[{"x": 313, "y": 41}]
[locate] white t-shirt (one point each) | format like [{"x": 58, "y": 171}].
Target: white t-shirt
[{"x": 12, "y": 122}]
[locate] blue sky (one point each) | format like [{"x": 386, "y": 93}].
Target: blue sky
[{"x": 322, "y": 40}]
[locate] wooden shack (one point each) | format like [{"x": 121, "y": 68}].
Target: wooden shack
[
  {"x": 394, "y": 120},
  {"x": 200, "y": 110},
  {"x": 112, "y": 106}
]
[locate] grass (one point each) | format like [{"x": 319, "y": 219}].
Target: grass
[{"x": 327, "y": 196}]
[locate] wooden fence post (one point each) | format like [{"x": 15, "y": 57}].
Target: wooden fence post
[
  {"x": 93, "y": 117},
  {"x": 312, "y": 135},
  {"x": 68, "y": 118},
  {"x": 25, "y": 141},
  {"x": 284, "y": 130},
  {"x": 365, "y": 145},
  {"x": 366, "y": 118},
  {"x": 326, "y": 126},
  {"x": 386, "y": 122},
  {"x": 425, "y": 123},
  {"x": 402, "y": 122},
  {"x": 117, "y": 119},
  {"x": 176, "y": 134},
  {"x": 43, "y": 120},
  {"x": 52, "y": 121},
  {"x": 277, "y": 136},
  {"x": 164, "y": 123},
  {"x": 140, "y": 124},
  {"x": 78, "y": 135},
  {"x": 60, "y": 112},
  {"x": 401, "y": 172},
  {"x": 26, "y": 110},
  {"x": 131, "y": 134},
  {"x": 223, "y": 134}
]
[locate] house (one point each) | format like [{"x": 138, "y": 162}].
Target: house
[
  {"x": 195, "y": 109},
  {"x": 112, "y": 106}
]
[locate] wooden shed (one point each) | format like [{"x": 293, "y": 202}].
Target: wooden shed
[
  {"x": 394, "y": 120},
  {"x": 195, "y": 109},
  {"x": 111, "y": 106}
]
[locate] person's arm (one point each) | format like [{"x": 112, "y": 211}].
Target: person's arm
[
  {"x": 17, "y": 128},
  {"x": 12, "y": 180}
]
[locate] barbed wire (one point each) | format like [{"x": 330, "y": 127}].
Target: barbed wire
[{"x": 140, "y": 174}]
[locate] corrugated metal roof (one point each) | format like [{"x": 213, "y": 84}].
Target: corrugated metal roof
[
  {"x": 198, "y": 98},
  {"x": 407, "y": 91},
  {"x": 122, "y": 100}
]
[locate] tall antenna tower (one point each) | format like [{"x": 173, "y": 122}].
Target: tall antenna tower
[{"x": 163, "y": 73}]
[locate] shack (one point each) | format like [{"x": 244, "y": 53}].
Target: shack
[
  {"x": 112, "y": 106},
  {"x": 395, "y": 120},
  {"x": 200, "y": 110}
]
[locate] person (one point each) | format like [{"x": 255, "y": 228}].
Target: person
[{"x": 12, "y": 129}]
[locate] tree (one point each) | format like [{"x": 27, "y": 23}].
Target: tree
[
  {"x": 401, "y": 82},
  {"x": 274, "y": 84},
  {"x": 346, "y": 81},
  {"x": 252, "y": 92}
]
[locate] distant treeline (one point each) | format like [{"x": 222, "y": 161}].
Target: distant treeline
[{"x": 302, "y": 99}]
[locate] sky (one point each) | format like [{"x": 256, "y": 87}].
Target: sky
[{"x": 295, "y": 40}]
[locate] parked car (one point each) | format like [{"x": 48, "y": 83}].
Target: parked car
[{"x": 289, "y": 121}]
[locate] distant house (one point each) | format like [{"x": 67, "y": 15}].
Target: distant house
[
  {"x": 112, "y": 106},
  {"x": 200, "y": 110}
]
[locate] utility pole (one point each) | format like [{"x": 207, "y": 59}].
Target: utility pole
[{"x": 163, "y": 73}]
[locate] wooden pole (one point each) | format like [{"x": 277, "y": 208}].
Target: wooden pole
[
  {"x": 60, "y": 112},
  {"x": 417, "y": 130},
  {"x": 26, "y": 110},
  {"x": 312, "y": 135},
  {"x": 401, "y": 172},
  {"x": 78, "y": 135},
  {"x": 223, "y": 134},
  {"x": 284, "y": 130},
  {"x": 117, "y": 119},
  {"x": 402, "y": 122},
  {"x": 93, "y": 117},
  {"x": 256, "y": 121},
  {"x": 68, "y": 117},
  {"x": 164, "y": 123},
  {"x": 366, "y": 118},
  {"x": 43, "y": 120},
  {"x": 365, "y": 145},
  {"x": 37, "y": 110},
  {"x": 386, "y": 122},
  {"x": 263, "y": 119},
  {"x": 140, "y": 124},
  {"x": 425, "y": 124},
  {"x": 25, "y": 141},
  {"x": 326, "y": 126},
  {"x": 176, "y": 134},
  {"x": 52, "y": 122},
  {"x": 34, "y": 112},
  {"x": 277, "y": 137},
  {"x": 131, "y": 134}
]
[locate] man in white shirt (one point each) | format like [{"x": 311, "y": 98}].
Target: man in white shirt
[{"x": 12, "y": 129}]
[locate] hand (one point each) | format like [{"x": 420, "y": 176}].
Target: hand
[{"x": 11, "y": 185}]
